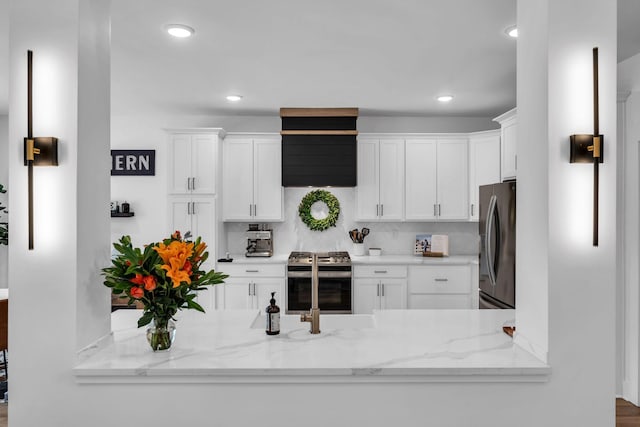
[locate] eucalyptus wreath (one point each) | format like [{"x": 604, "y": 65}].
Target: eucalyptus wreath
[{"x": 304, "y": 210}]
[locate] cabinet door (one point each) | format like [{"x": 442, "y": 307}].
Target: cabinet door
[
  {"x": 391, "y": 179},
  {"x": 484, "y": 167},
  {"x": 393, "y": 293},
  {"x": 180, "y": 214},
  {"x": 367, "y": 190},
  {"x": 267, "y": 179},
  {"x": 238, "y": 294},
  {"x": 421, "y": 175},
  {"x": 366, "y": 295},
  {"x": 237, "y": 167},
  {"x": 453, "y": 182},
  {"x": 179, "y": 164},
  {"x": 203, "y": 164},
  {"x": 509, "y": 149},
  {"x": 203, "y": 224},
  {"x": 263, "y": 289}
]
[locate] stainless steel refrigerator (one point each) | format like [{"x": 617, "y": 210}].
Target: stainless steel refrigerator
[{"x": 497, "y": 226}]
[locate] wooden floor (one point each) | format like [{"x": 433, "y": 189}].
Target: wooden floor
[{"x": 627, "y": 415}]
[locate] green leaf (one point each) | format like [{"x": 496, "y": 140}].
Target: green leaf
[{"x": 145, "y": 319}]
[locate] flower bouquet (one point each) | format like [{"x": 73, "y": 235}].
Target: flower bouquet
[{"x": 164, "y": 277}]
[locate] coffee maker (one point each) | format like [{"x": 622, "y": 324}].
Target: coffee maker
[{"x": 259, "y": 242}]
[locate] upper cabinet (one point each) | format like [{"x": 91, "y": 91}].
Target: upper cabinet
[
  {"x": 508, "y": 134},
  {"x": 252, "y": 178},
  {"x": 437, "y": 186},
  {"x": 380, "y": 179},
  {"x": 192, "y": 161},
  {"x": 484, "y": 165}
]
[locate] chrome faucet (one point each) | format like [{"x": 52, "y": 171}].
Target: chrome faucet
[{"x": 313, "y": 316}]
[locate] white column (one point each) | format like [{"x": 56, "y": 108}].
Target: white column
[
  {"x": 565, "y": 286},
  {"x": 57, "y": 302}
]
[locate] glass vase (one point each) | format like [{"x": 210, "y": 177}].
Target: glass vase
[{"x": 161, "y": 333}]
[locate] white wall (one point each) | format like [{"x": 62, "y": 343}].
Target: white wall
[{"x": 4, "y": 180}]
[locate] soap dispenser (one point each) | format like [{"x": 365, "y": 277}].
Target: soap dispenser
[{"x": 273, "y": 316}]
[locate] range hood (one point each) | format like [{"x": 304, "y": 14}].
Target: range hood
[{"x": 319, "y": 147}]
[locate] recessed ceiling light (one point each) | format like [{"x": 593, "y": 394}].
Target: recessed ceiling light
[
  {"x": 445, "y": 98},
  {"x": 512, "y": 31},
  {"x": 179, "y": 30},
  {"x": 234, "y": 98}
]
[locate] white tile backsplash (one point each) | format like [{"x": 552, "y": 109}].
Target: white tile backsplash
[{"x": 395, "y": 238}]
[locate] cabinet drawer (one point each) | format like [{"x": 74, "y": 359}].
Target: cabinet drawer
[
  {"x": 252, "y": 270},
  {"x": 441, "y": 302},
  {"x": 440, "y": 279},
  {"x": 380, "y": 271}
]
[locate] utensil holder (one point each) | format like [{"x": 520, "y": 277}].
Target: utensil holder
[{"x": 358, "y": 249}]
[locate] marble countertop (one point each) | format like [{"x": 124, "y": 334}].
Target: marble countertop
[
  {"x": 366, "y": 259},
  {"x": 397, "y": 346},
  {"x": 414, "y": 260}
]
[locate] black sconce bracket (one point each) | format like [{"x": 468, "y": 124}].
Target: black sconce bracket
[{"x": 582, "y": 149}]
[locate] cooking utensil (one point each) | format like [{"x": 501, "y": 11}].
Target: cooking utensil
[{"x": 365, "y": 232}]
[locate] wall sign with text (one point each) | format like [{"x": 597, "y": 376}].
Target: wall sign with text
[{"x": 133, "y": 162}]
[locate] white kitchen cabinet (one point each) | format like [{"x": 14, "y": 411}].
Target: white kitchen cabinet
[
  {"x": 252, "y": 179},
  {"x": 484, "y": 165},
  {"x": 437, "y": 179},
  {"x": 198, "y": 216},
  {"x": 249, "y": 286},
  {"x": 508, "y": 135},
  {"x": 379, "y": 193},
  {"x": 440, "y": 287},
  {"x": 193, "y": 160},
  {"x": 379, "y": 287}
]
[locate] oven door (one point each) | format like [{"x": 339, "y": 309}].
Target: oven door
[{"x": 334, "y": 292}]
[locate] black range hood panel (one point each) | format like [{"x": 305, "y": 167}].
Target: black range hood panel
[
  {"x": 319, "y": 160},
  {"x": 319, "y": 147}
]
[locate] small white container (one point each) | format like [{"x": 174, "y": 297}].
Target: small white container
[
  {"x": 358, "y": 249},
  {"x": 375, "y": 251}
]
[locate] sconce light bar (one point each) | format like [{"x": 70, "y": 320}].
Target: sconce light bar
[
  {"x": 38, "y": 151},
  {"x": 590, "y": 148}
]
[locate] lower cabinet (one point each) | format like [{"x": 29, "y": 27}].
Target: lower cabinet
[
  {"x": 440, "y": 287},
  {"x": 379, "y": 288},
  {"x": 249, "y": 286}
]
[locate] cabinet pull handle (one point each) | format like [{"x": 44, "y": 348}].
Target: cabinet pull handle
[
  {"x": 255, "y": 210},
  {"x": 435, "y": 212},
  {"x": 380, "y": 271},
  {"x": 254, "y": 289},
  {"x": 252, "y": 271},
  {"x": 381, "y": 210},
  {"x": 442, "y": 280},
  {"x": 378, "y": 290},
  {"x": 249, "y": 289},
  {"x": 471, "y": 209},
  {"x": 382, "y": 285},
  {"x": 377, "y": 210},
  {"x": 188, "y": 208},
  {"x": 193, "y": 183},
  {"x": 193, "y": 208},
  {"x": 188, "y": 183},
  {"x": 250, "y": 210},
  {"x": 439, "y": 213}
]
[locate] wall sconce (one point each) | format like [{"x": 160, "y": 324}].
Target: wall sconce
[
  {"x": 590, "y": 148},
  {"x": 38, "y": 151}
]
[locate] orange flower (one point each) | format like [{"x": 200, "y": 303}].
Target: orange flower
[
  {"x": 136, "y": 292},
  {"x": 149, "y": 283},
  {"x": 138, "y": 280},
  {"x": 175, "y": 249},
  {"x": 198, "y": 251},
  {"x": 176, "y": 274}
]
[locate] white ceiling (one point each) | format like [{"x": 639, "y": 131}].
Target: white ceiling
[{"x": 387, "y": 58}]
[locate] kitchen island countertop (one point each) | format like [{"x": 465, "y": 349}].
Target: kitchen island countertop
[{"x": 401, "y": 346}]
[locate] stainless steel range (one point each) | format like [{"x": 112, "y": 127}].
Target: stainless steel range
[{"x": 334, "y": 282}]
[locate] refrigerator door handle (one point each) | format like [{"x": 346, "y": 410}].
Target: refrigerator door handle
[{"x": 489, "y": 231}]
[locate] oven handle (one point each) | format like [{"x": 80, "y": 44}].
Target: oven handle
[{"x": 321, "y": 274}]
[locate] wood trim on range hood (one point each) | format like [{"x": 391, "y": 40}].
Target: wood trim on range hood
[{"x": 319, "y": 112}]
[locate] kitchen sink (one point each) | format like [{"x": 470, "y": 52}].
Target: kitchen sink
[{"x": 290, "y": 322}]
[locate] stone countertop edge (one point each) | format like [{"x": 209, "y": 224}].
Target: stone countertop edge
[{"x": 474, "y": 349}]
